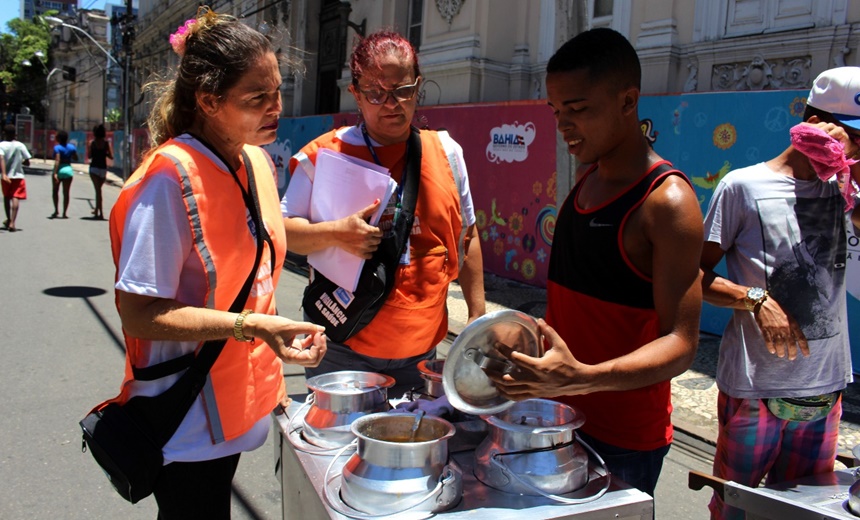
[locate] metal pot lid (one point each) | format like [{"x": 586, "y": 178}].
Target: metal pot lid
[
  {"x": 476, "y": 350},
  {"x": 349, "y": 382},
  {"x": 537, "y": 416}
]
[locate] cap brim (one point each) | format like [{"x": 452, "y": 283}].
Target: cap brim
[{"x": 848, "y": 120}]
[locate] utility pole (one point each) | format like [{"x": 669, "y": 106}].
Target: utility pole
[{"x": 127, "y": 40}]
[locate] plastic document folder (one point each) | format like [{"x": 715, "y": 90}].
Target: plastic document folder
[{"x": 344, "y": 185}]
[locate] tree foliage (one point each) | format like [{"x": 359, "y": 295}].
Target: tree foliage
[{"x": 21, "y": 85}]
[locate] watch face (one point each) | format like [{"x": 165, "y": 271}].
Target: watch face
[{"x": 755, "y": 293}]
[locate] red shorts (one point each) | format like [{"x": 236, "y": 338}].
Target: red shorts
[{"x": 14, "y": 189}]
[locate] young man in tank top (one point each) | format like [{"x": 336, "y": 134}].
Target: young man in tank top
[{"x": 623, "y": 294}]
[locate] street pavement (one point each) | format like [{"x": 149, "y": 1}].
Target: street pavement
[{"x": 64, "y": 353}]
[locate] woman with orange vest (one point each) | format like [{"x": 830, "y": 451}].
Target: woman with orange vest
[
  {"x": 184, "y": 243},
  {"x": 414, "y": 318}
]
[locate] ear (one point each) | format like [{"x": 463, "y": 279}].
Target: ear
[
  {"x": 813, "y": 120},
  {"x": 356, "y": 94},
  {"x": 630, "y": 101},
  {"x": 207, "y": 103}
]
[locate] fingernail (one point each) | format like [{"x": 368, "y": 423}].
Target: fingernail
[{"x": 376, "y": 201}]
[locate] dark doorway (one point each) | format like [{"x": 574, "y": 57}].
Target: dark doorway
[{"x": 334, "y": 17}]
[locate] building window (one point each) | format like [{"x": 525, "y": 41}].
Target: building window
[
  {"x": 614, "y": 14},
  {"x": 602, "y": 8},
  {"x": 757, "y": 16},
  {"x": 727, "y": 18},
  {"x": 416, "y": 22}
]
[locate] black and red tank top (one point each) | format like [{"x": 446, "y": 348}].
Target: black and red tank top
[{"x": 603, "y": 307}]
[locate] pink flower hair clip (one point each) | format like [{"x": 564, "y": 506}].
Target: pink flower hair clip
[{"x": 177, "y": 39}]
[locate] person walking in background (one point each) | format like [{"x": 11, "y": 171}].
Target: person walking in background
[
  {"x": 784, "y": 356},
  {"x": 100, "y": 152},
  {"x": 15, "y": 156},
  {"x": 441, "y": 248},
  {"x": 184, "y": 236},
  {"x": 623, "y": 292},
  {"x": 65, "y": 154}
]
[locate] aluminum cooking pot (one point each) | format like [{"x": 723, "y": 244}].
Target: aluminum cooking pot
[
  {"x": 431, "y": 373},
  {"x": 393, "y": 471},
  {"x": 339, "y": 398},
  {"x": 531, "y": 449}
]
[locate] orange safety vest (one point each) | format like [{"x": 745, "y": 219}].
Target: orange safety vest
[
  {"x": 246, "y": 382},
  {"x": 414, "y": 318}
]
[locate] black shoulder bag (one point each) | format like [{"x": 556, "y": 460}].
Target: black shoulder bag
[
  {"x": 344, "y": 313},
  {"x": 126, "y": 439}
]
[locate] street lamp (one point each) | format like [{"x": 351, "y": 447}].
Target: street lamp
[
  {"x": 126, "y": 145},
  {"x": 56, "y": 22}
]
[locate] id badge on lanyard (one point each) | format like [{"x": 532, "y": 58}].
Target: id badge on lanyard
[{"x": 405, "y": 257}]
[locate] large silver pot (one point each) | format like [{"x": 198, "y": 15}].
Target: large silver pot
[
  {"x": 339, "y": 398},
  {"x": 531, "y": 449},
  {"x": 392, "y": 472},
  {"x": 431, "y": 373}
]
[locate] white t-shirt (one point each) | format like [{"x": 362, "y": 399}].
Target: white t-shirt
[
  {"x": 297, "y": 200},
  {"x": 787, "y": 236},
  {"x": 157, "y": 260},
  {"x": 14, "y": 153}
]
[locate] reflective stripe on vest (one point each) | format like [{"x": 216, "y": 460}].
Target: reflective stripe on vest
[
  {"x": 196, "y": 227},
  {"x": 448, "y": 145}
]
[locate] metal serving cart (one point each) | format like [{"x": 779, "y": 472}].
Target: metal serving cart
[
  {"x": 817, "y": 497},
  {"x": 302, "y": 477}
]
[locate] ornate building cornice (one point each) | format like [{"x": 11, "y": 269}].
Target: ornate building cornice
[{"x": 449, "y": 9}]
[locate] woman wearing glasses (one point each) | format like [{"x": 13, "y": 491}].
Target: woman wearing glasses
[{"x": 413, "y": 320}]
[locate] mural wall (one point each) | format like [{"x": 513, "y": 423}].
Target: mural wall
[
  {"x": 510, "y": 158},
  {"x": 510, "y": 154}
]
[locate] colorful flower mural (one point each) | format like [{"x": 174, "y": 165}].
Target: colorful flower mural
[
  {"x": 481, "y": 219},
  {"x": 537, "y": 188},
  {"x": 499, "y": 246},
  {"x": 551, "y": 186},
  {"x": 797, "y": 106},
  {"x": 725, "y": 136},
  {"x": 528, "y": 269},
  {"x": 515, "y": 223}
]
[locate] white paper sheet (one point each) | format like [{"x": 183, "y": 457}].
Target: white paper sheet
[{"x": 344, "y": 185}]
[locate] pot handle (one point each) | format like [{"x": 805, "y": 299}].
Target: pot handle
[
  {"x": 342, "y": 508},
  {"x": 496, "y": 459},
  {"x": 293, "y": 432}
]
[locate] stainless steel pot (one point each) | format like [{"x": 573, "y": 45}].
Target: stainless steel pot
[
  {"x": 854, "y": 498},
  {"x": 339, "y": 398},
  {"x": 392, "y": 472},
  {"x": 531, "y": 449},
  {"x": 431, "y": 373}
]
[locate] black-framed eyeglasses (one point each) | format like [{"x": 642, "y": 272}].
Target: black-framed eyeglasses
[{"x": 401, "y": 93}]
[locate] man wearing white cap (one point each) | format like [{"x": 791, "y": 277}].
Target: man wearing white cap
[{"x": 784, "y": 356}]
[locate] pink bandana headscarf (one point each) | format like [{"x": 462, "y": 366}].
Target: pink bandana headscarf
[{"x": 827, "y": 156}]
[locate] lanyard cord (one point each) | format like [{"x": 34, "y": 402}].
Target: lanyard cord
[
  {"x": 250, "y": 199},
  {"x": 376, "y": 160}
]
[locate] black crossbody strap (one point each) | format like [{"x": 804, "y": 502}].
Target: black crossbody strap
[{"x": 402, "y": 225}]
